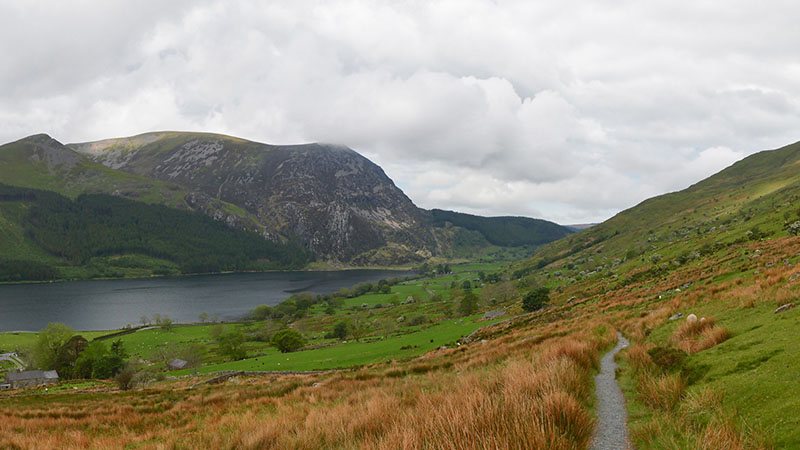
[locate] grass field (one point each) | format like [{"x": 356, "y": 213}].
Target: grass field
[{"x": 415, "y": 341}]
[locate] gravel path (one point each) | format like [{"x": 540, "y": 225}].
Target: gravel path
[{"x": 612, "y": 430}]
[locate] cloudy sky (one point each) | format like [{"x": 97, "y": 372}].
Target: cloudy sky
[{"x": 569, "y": 110}]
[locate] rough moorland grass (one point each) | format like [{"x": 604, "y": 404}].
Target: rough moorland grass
[
  {"x": 506, "y": 394},
  {"x": 753, "y": 373}
]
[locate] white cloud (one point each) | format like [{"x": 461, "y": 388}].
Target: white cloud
[{"x": 570, "y": 111}]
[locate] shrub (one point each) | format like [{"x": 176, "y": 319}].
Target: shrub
[
  {"x": 417, "y": 320},
  {"x": 469, "y": 304},
  {"x": 667, "y": 359},
  {"x": 340, "y": 330},
  {"x": 287, "y": 340},
  {"x": 536, "y": 299},
  {"x": 125, "y": 378},
  {"x": 231, "y": 344}
]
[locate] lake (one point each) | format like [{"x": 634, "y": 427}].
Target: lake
[{"x": 111, "y": 304}]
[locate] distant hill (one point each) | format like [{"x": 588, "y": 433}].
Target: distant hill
[
  {"x": 579, "y": 226},
  {"x": 503, "y": 231}
]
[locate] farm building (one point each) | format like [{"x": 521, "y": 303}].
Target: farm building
[{"x": 29, "y": 378}]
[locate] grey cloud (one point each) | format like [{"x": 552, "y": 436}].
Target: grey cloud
[{"x": 570, "y": 111}]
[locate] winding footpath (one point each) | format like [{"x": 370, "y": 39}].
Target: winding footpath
[{"x": 612, "y": 429}]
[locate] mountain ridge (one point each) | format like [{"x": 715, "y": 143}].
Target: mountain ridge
[{"x": 337, "y": 203}]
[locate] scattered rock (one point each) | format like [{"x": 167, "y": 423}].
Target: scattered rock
[
  {"x": 676, "y": 316},
  {"x": 493, "y": 314},
  {"x": 400, "y": 319},
  {"x": 785, "y": 308},
  {"x": 483, "y": 341}
]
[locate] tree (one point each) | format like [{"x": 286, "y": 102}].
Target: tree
[
  {"x": 340, "y": 330},
  {"x": 144, "y": 320},
  {"x": 536, "y": 299},
  {"x": 231, "y": 344},
  {"x": 359, "y": 329},
  {"x": 88, "y": 361},
  {"x": 261, "y": 312},
  {"x": 203, "y": 317},
  {"x": 287, "y": 340},
  {"x": 469, "y": 304},
  {"x": 50, "y": 341},
  {"x": 107, "y": 366},
  {"x": 68, "y": 354},
  {"x": 216, "y": 331},
  {"x": 166, "y": 323},
  {"x": 118, "y": 348}
]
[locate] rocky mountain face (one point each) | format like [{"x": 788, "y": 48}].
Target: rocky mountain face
[{"x": 339, "y": 204}]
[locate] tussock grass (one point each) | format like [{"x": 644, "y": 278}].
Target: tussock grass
[
  {"x": 662, "y": 392},
  {"x": 693, "y": 337}
]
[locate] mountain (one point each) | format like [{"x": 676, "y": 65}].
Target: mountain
[
  {"x": 328, "y": 198},
  {"x": 339, "y": 203}
]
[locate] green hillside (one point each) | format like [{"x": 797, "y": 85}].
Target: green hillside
[
  {"x": 48, "y": 236},
  {"x": 41, "y": 162},
  {"x": 725, "y": 248},
  {"x": 503, "y": 231}
]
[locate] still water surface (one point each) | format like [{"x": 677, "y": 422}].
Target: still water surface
[{"x": 111, "y": 304}]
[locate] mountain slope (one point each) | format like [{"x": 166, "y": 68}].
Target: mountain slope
[
  {"x": 338, "y": 202},
  {"x": 104, "y": 235},
  {"x": 759, "y": 191},
  {"x": 725, "y": 249}
]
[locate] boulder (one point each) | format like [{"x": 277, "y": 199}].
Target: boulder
[
  {"x": 676, "y": 316},
  {"x": 691, "y": 318},
  {"x": 785, "y": 308}
]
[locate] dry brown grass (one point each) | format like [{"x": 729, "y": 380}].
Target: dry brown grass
[
  {"x": 663, "y": 392},
  {"x": 693, "y": 337},
  {"x": 724, "y": 433},
  {"x": 639, "y": 358},
  {"x": 507, "y": 395}
]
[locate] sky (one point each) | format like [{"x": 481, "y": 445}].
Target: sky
[{"x": 570, "y": 111}]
